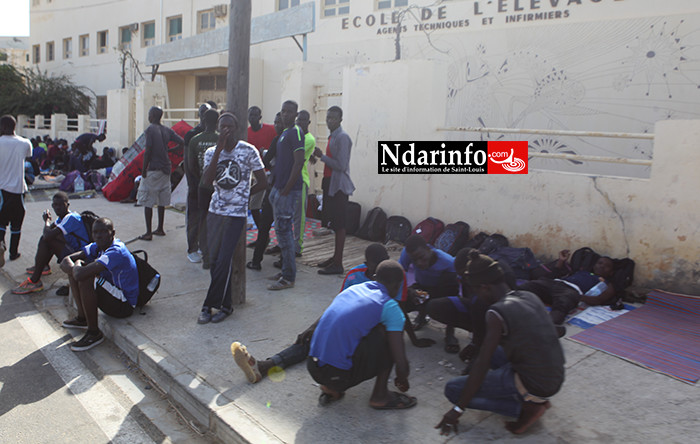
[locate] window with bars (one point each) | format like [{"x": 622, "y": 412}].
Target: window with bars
[
  {"x": 102, "y": 42},
  {"x": 36, "y": 54},
  {"x": 389, "y": 4},
  {"x": 49, "y": 51},
  {"x": 84, "y": 45},
  {"x": 206, "y": 21},
  {"x": 334, "y": 8},
  {"x": 67, "y": 48},
  {"x": 211, "y": 83},
  {"x": 175, "y": 28},
  {"x": 148, "y": 34}
]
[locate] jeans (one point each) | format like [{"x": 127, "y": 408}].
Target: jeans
[
  {"x": 283, "y": 208},
  {"x": 223, "y": 234},
  {"x": 291, "y": 355},
  {"x": 300, "y": 219},
  {"x": 264, "y": 224},
  {"x": 497, "y": 393}
]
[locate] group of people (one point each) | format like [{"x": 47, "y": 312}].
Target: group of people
[{"x": 57, "y": 155}]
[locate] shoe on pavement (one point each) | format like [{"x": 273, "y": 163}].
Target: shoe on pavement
[
  {"x": 276, "y": 277},
  {"x": 331, "y": 269},
  {"x": 282, "y": 284},
  {"x": 205, "y": 264},
  {"x": 27, "y": 287},
  {"x": 221, "y": 315},
  {"x": 204, "y": 316},
  {"x": 14, "y": 257},
  {"x": 277, "y": 264},
  {"x": 88, "y": 341},
  {"x": 274, "y": 250},
  {"x": 76, "y": 322},
  {"x": 194, "y": 257},
  {"x": 246, "y": 362},
  {"x": 44, "y": 272},
  {"x": 253, "y": 266}
]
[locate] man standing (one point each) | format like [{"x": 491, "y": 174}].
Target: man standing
[
  {"x": 360, "y": 337},
  {"x": 83, "y": 151},
  {"x": 337, "y": 185},
  {"x": 516, "y": 378},
  {"x": 198, "y": 201},
  {"x": 286, "y": 191},
  {"x": 61, "y": 238},
  {"x": 228, "y": 166},
  {"x": 102, "y": 275},
  {"x": 260, "y": 135},
  {"x": 155, "y": 183},
  {"x": 13, "y": 151},
  {"x": 303, "y": 121}
]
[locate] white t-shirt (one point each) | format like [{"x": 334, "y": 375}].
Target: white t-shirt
[
  {"x": 13, "y": 150},
  {"x": 232, "y": 182}
]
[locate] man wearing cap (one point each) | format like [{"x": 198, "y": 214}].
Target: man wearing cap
[{"x": 516, "y": 378}]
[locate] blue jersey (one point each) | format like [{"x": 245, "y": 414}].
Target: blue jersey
[
  {"x": 291, "y": 141},
  {"x": 431, "y": 276},
  {"x": 357, "y": 275},
  {"x": 73, "y": 229},
  {"x": 349, "y": 318},
  {"x": 120, "y": 267}
]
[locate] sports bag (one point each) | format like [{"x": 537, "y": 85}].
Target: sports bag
[
  {"x": 429, "y": 229},
  {"x": 453, "y": 238},
  {"x": 149, "y": 278},
  {"x": 374, "y": 226},
  {"x": 493, "y": 243},
  {"x": 398, "y": 228}
]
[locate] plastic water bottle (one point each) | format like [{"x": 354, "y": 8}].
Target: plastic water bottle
[
  {"x": 598, "y": 289},
  {"x": 154, "y": 283},
  {"x": 79, "y": 184}
]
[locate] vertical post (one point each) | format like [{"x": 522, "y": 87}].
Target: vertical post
[{"x": 237, "y": 102}]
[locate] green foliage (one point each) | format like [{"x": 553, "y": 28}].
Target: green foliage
[{"x": 35, "y": 92}]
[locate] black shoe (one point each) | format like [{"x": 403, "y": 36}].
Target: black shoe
[
  {"x": 15, "y": 256},
  {"x": 76, "y": 322},
  {"x": 277, "y": 264},
  {"x": 206, "y": 265},
  {"x": 252, "y": 244},
  {"x": 88, "y": 341},
  {"x": 561, "y": 330},
  {"x": 63, "y": 290},
  {"x": 274, "y": 250},
  {"x": 204, "y": 316},
  {"x": 253, "y": 266},
  {"x": 331, "y": 269},
  {"x": 221, "y": 315}
]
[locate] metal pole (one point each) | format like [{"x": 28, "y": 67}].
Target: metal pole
[
  {"x": 553, "y": 132},
  {"x": 237, "y": 103}
]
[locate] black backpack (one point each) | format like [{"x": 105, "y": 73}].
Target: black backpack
[
  {"x": 398, "y": 228},
  {"x": 374, "y": 227},
  {"x": 493, "y": 243},
  {"x": 149, "y": 278},
  {"x": 584, "y": 259},
  {"x": 453, "y": 238},
  {"x": 88, "y": 218},
  {"x": 352, "y": 217},
  {"x": 476, "y": 241}
]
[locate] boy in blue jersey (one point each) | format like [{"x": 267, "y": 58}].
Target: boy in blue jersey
[
  {"x": 360, "y": 337},
  {"x": 435, "y": 275},
  {"x": 61, "y": 238},
  {"x": 102, "y": 275}
]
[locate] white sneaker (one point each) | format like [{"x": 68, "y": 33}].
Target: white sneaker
[{"x": 194, "y": 257}]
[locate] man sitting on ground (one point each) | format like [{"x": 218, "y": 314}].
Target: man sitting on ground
[
  {"x": 527, "y": 368},
  {"x": 360, "y": 337},
  {"x": 61, "y": 238},
  {"x": 564, "y": 294},
  {"x": 435, "y": 275},
  {"x": 102, "y": 275}
]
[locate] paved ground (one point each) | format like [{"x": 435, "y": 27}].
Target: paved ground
[{"x": 604, "y": 399}]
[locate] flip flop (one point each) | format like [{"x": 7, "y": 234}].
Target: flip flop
[
  {"x": 324, "y": 398},
  {"x": 145, "y": 237},
  {"x": 398, "y": 401},
  {"x": 159, "y": 233},
  {"x": 451, "y": 345}
]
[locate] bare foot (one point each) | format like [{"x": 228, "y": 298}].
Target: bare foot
[
  {"x": 530, "y": 413},
  {"x": 159, "y": 233}
]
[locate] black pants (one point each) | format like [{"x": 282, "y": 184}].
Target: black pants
[
  {"x": 264, "y": 223},
  {"x": 12, "y": 213},
  {"x": 453, "y": 311},
  {"x": 203, "y": 199},
  {"x": 561, "y": 297},
  {"x": 193, "y": 217}
]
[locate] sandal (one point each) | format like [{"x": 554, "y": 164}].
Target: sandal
[
  {"x": 246, "y": 362},
  {"x": 451, "y": 345},
  {"x": 326, "y": 398},
  {"x": 397, "y": 401},
  {"x": 145, "y": 237}
]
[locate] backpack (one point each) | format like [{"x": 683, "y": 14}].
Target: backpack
[
  {"x": 374, "y": 227},
  {"x": 352, "y": 217},
  {"x": 520, "y": 260},
  {"x": 88, "y": 218},
  {"x": 453, "y": 238},
  {"x": 493, "y": 243},
  {"x": 429, "y": 229},
  {"x": 584, "y": 259},
  {"x": 476, "y": 241},
  {"x": 67, "y": 182},
  {"x": 149, "y": 278},
  {"x": 622, "y": 278},
  {"x": 398, "y": 228}
]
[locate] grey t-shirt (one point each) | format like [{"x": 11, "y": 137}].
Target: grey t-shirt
[{"x": 157, "y": 138}]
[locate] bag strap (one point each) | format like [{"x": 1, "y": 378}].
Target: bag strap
[{"x": 144, "y": 252}]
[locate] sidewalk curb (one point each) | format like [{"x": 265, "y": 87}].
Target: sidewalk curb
[{"x": 220, "y": 415}]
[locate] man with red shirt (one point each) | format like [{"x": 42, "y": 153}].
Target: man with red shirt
[{"x": 260, "y": 135}]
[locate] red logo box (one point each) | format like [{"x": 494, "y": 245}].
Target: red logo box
[{"x": 507, "y": 157}]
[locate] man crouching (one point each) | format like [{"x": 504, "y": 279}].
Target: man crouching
[
  {"x": 102, "y": 275},
  {"x": 360, "y": 337}
]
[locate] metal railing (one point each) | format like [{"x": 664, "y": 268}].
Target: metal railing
[{"x": 579, "y": 157}]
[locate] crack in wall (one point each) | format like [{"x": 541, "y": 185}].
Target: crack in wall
[{"x": 614, "y": 208}]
